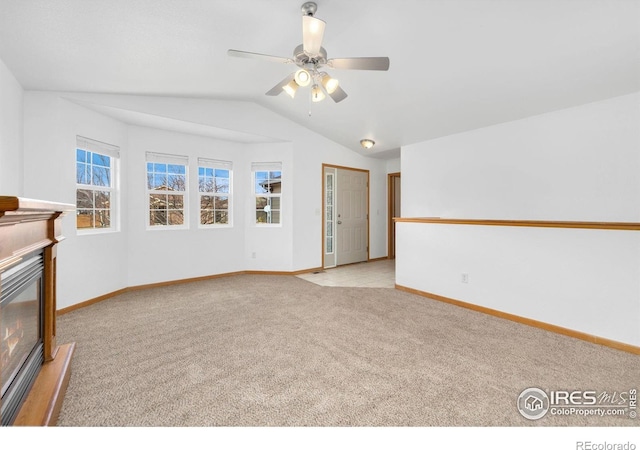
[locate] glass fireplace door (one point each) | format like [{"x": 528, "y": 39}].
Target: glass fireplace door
[{"x": 20, "y": 332}]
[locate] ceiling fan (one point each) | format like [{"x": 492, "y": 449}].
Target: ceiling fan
[{"x": 311, "y": 58}]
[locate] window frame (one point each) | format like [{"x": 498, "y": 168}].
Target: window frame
[
  {"x": 167, "y": 160},
  {"x": 269, "y": 168},
  {"x": 215, "y": 165},
  {"x": 94, "y": 147}
]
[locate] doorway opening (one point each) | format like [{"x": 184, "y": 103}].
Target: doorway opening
[
  {"x": 345, "y": 215},
  {"x": 393, "y": 183}
]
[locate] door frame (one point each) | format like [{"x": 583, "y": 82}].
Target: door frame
[
  {"x": 391, "y": 225},
  {"x": 324, "y": 207}
]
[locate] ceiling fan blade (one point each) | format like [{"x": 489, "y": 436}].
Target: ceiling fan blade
[
  {"x": 312, "y": 34},
  {"x": 371, "y": 63},
  {"x": 277, "y": 89},
  {"x": 338, "y": 95},
  {"x": 241, "y": 54}
]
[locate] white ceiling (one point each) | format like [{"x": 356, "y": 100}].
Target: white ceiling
[{"x": 456, "y": 65}]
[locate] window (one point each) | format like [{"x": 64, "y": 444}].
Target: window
[
  {"x": 330, "y": 207},
  {"x": 214, "y": 187},
  {"x": 96, "y": 164},
  {"x": 267, "y": 180},
  {"x": 166, "y": 189}
]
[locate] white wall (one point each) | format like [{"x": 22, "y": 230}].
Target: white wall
[
  {"x": 394, "y": 165},
  {"x": 273, "y": 246},
  {"x": 579, "y": 164},
  {"x": 88, "y": 265},
  {"x": 308, "y": 160},
  {"x": 576, "y": 164},
  {"x": 98, "y": 264},
  {"x": 309, "y": 151},
  {"x": 11, "y": 129},
  {"x": 158, "y": 255}
]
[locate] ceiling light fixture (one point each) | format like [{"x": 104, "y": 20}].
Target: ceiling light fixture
[
  {"x": 290, "y": 88},
  {"x": 330, "y": 84},
  {"x": 316, "y": 94},
  {"x": 302, "y": 77},
  {"x": 367, "y": 143}
]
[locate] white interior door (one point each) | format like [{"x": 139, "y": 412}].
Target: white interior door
[{"x": 352, "y": 216}]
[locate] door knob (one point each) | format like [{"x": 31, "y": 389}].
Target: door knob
[{"x": 339, "y": 222}]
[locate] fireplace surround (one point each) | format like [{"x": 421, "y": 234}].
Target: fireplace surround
[{"x": 34, "y": 370}]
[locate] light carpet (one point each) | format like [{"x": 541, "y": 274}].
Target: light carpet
[{"x": 259, "y": 350}]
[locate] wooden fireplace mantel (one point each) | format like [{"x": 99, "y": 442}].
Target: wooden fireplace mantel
[{"x": 27, "y": 226}]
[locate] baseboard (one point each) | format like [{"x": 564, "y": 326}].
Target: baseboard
[
  {"x": 382, "y": 258},
  {"x": 181, "y": 281},
  {"x": 300, "y": 272},
  {"x": 109, "y": 295},
  {"x": 280, "y": 272},
  {"x": 526, "y": 321},
  {"x": 90, "y": 302}
]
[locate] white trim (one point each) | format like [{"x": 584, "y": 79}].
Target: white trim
[
  {"x": 184, "y": 226},
  {"x": 166, "y": 158},
  {"x": 90, "y": 231},
  {"x": 215, "y": 164},
  {"x": 221, "y": 165},
  {"x": 94, "y": 146},
  {"x": 113, "y": 152},
  {"x": 266, "y": 167}
]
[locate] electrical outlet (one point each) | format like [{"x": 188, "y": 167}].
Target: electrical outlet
[
  {"x": 464, "y": 278},
  {"x": 253, "y": 255}
]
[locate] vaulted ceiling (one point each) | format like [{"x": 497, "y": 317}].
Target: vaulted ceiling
[{"x": 456, "y": 65}]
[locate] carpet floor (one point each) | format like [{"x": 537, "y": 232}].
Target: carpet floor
[{"x": 259, "y": 350}]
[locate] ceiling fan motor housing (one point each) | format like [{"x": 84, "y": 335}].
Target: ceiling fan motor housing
[{"x": 302, "y": 59}]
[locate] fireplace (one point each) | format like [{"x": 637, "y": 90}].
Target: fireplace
[
  {"x": 21, "y": 347},
  {"x": 34, "y": 370}
]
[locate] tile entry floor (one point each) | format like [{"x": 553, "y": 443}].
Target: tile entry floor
[{"x": 378, "y": 274}]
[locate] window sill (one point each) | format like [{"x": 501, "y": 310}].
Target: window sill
[
  {"x": 94, "y": 231},
  {"x": 214, "y": 226},
  {"x": 167, "y": 227}
]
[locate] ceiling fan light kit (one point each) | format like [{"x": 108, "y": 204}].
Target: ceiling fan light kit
[
  {"x": 290, "y": 88},
  {"x": 302, "y": 77},
  {"x": 310, "y": 56},
  {"x": 330, "y": 84},
  {"x": 316, "y": 94}
]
